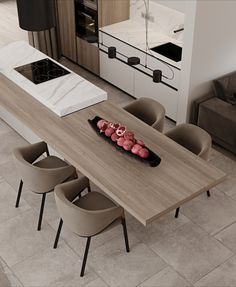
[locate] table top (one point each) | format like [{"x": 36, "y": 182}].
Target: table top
[{"x": 145, "y": 192}]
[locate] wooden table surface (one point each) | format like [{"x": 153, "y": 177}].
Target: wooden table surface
[{"x": 145, "y": 192}]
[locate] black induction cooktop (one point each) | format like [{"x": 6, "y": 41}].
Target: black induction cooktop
[
  {"x": 170, "y": 51},
  {"x": 42, "y": 71}
]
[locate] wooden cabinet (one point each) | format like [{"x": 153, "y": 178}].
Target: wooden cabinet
[
  {"x": 112, "y": 11},
  {"x": 88, "y": 55},
  {"x": 66, "y": 24}
]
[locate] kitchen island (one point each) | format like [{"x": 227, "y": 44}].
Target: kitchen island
[{"x": 63, "y": 95}]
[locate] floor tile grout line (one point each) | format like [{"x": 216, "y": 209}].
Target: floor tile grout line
[
  {"x": 223, "y": 228},
  {"x": 214, "y": 269}
]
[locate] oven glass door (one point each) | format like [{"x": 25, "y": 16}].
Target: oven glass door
[{"x": 86, "y": 23}]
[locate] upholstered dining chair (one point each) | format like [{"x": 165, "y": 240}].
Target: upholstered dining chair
[
  {"x": 40, "y": 176},
  {"x": 195, "y": 140},
  {"x": 149, "y": 111},
  {"x": 87, "y": 215}
]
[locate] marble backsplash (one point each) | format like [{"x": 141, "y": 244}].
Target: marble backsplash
[{"x": 162, "y": 18}]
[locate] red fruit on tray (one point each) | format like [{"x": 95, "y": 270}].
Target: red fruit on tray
[
  {"x": 143, "y": 153},
  {"x": 100, "y": 124},
  {"x": 127, "y": 145},
  {"x": 104, "y": 127},
  {"x": 109, "y": 132},
  {"x": 120, "y": 141},
  {"x": 140, "y": 142},
  {"x": 136, "y": 148},
  {"x": 128, "y": 135},
  {"x": 114, "y": 126},
  {"x": 114, "y": 137},
  {"x": 121, "y": 131}
]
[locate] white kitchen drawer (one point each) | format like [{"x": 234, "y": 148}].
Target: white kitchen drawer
[
  {"x": 117, "y": 73},
  {"x": 145, "y": 87},
  {"x": 147, "y": 62}
]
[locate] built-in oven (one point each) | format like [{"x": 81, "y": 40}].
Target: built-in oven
[{"x": 86, "y": 17}]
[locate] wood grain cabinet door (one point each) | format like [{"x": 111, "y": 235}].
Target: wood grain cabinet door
[
  {"x": 67, "y": 31},
  {"x": 88, "y": 55},
  {"x": 112, "y": 11}
]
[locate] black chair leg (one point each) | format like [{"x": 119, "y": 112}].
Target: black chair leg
[
  {"x": 177, "y": 212},
  {"x": 208, "y": 193},
  {"x": 85, "y": 256},
  {"x": 89, "y": 187},
  {"x": 125, "y": 234},
  {"x": 41, "y": 211},
  {"x": 19, "y": 194},
  {"x": 58, "y": 234}
]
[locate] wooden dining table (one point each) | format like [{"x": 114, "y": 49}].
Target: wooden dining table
[{"x": 145, "y": 192}]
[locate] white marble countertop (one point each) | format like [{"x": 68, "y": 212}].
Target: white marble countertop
[
  {"x": 133, "y": 33},
  {"x": 62, "y": 95}
]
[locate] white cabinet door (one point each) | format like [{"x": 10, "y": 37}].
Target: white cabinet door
[
  {"x": 145, "y": 87},
  {"x": 117, "y": 73}
]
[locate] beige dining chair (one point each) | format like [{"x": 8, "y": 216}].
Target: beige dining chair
[
  {"x": 40, "y": 176},
  {"x": 149, "y": 111},
  {"x": 195, "y": 140},
  {"x": 87, "y": 215}
]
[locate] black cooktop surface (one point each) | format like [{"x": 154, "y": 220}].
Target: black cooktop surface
[{"x": 42, "y": 71}]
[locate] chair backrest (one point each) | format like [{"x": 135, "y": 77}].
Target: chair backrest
[
  {"x": 192, "y": 138},
  {"x": 149, "y": 111},
  {"x": 79, "y": 220},
  {"x": 38, "y": 179}
]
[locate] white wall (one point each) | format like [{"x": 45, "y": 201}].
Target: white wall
[
  {"x": 178, "y": 5},
  {"x": 209, "y": 49}
]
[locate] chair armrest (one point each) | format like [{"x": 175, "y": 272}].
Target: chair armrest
[
  {"x": 75, "y": 187},
  {"x": 42, "y": 180},
  {"x": 33, "y": 151}
]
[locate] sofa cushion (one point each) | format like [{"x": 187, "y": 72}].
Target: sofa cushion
[
  {"x": 225, "y": 88},
  {"x": 219, "y": 119}
]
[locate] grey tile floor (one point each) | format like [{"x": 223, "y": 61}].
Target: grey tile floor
[{"x": 197, "y": 249}]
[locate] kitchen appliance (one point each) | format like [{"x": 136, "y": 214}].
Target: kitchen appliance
[
  {"x": 42, "y": 71},
  {"x": 86, "y": 18},
  {"x": 170, "y": 51}
]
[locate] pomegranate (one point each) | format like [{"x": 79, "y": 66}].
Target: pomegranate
[
  {"x": 100, "y": 124},
  {"x": 128, "y": 135},
  {"x": 114, "y": 137},
  {"x": 140, "y": 142},
  {"x": 120, "y": 141},
  {"x": 143, "y": 153},
  {"x": 120, "y": 131},
  {"x": 114, "y": 126},
  {"x": 127, "y": 145},
  {"x": 135, "y": 149},
  {"x": 109, "y": 131}
]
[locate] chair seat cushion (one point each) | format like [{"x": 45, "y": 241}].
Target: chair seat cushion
[
  {"x": 94, "y": 201},
  {"x": 51, "y": 162}
]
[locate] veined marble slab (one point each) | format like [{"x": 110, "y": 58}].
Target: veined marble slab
[{"x": 62, "y": 95}]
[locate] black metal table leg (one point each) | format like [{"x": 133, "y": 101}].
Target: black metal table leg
[
  {"x": 41, "y": 211},
  {"x": 58, "y": 234},
  {"x": 177, "y": 212},
  {"x": 85, "y": 256},
  {"x": 19, "y": 194},
  {"x": 125, "y": 234}
]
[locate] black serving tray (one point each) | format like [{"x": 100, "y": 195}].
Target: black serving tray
[{"x": 153, "y": 159}]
